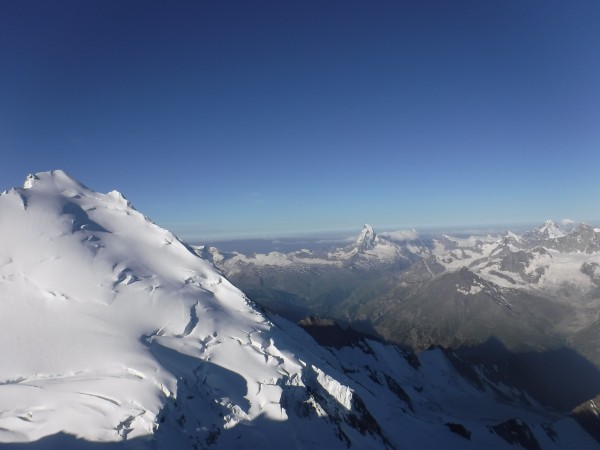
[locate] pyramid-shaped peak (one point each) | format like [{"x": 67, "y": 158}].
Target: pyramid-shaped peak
[
  {"x": 367, "y": 228},
  {"x": 366, "y": 237}
]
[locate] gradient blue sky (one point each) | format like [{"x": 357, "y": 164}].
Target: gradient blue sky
[{"x": 237, "y": 118}]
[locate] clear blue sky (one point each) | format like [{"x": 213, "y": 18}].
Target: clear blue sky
[{"x": 246, "y": 117}]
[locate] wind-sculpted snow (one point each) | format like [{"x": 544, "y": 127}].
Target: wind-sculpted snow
[{"x": 112, "y": 329}]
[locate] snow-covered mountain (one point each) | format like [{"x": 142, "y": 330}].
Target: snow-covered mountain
[
  {"x": 370, "y": 250},
  {"x": 113, "y": 330},
  {"x": 367, "y": 239},
  {"x": 545, "y": 259},
  {"x": 548, "y": 230}
]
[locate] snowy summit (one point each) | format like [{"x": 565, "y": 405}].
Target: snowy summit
[
  {"x": 549, "y": 230},
  {"x": 109, "y": 321},
  {"x": 366, "y": 238}
]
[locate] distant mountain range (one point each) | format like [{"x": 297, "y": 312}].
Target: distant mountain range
[
  {"x": 534, "y": 292},
  {"x": 364, "y": 281},
  {"x": 115, "y": 334}
]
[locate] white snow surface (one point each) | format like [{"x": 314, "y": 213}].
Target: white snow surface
[
  {"x": 101, "y": 310},
  {"x": 479, "y": 254}
]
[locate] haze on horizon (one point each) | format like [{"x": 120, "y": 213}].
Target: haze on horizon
[{"x": 241, "y": 119}]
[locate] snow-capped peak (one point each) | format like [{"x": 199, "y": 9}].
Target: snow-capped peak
[
  {"x": 549, "y": 230},
  {"x": 57, "y": 181},
  {"x": 113, "y": 330},
  {"x": 366, "y": 238}
]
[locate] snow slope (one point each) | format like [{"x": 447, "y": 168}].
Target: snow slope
[{"x": 105, "y": 315}]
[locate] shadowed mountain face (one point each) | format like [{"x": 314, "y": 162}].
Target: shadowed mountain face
[
  {"x": 560, "y": 378},
  {"x": 458, "y": 308},
  {"x": 329, "y": 334}
]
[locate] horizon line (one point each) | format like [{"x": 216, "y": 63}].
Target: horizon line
[{"x": 194, "y": 237}]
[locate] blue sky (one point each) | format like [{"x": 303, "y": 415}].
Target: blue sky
[{"x": 267, "y": 117}]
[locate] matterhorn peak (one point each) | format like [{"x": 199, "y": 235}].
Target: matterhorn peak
[{"x": 367, "y": 237}]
